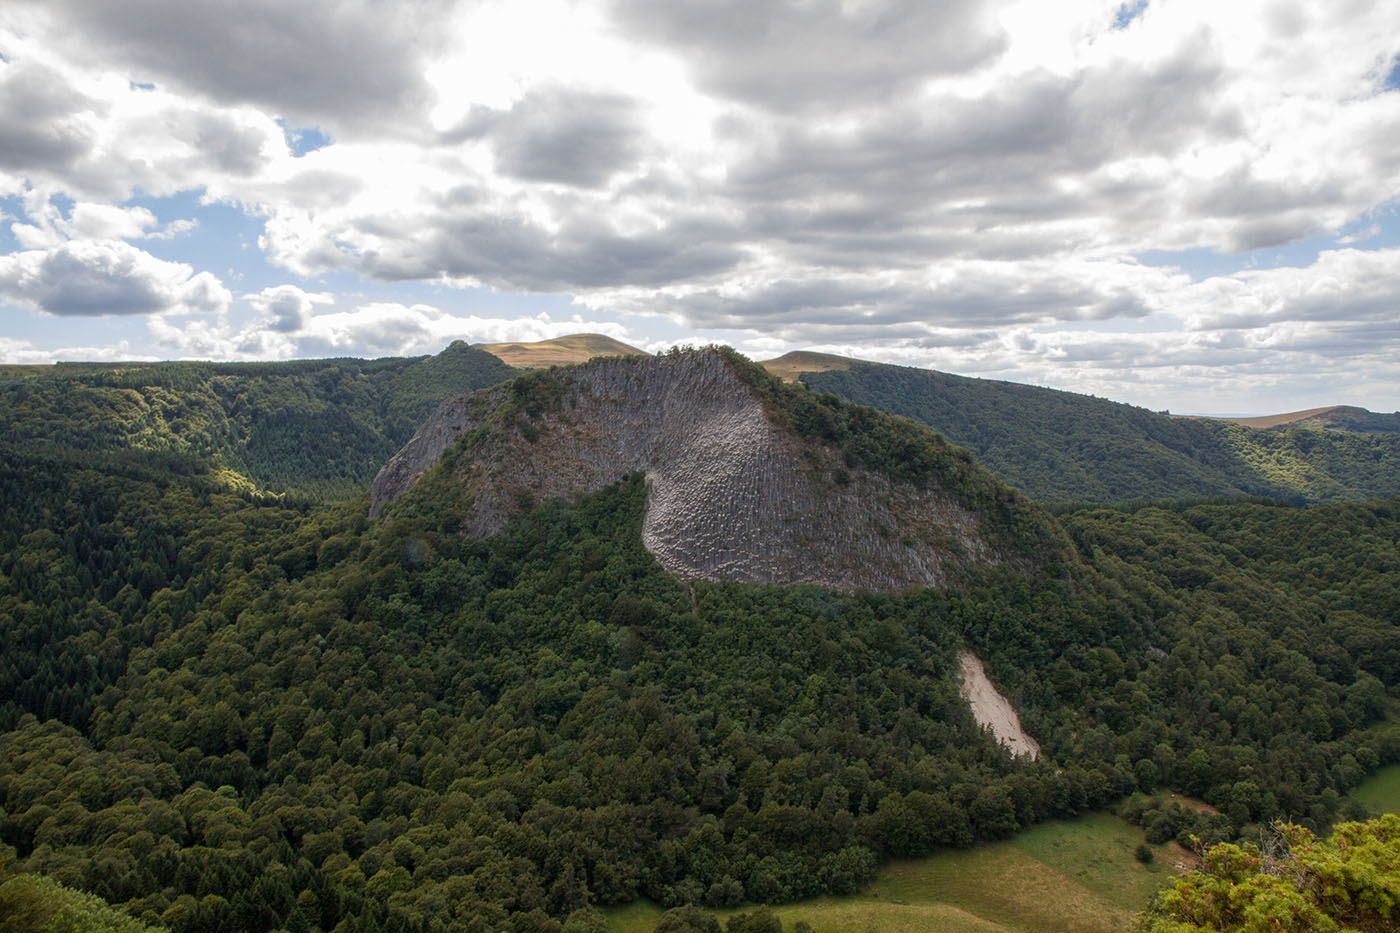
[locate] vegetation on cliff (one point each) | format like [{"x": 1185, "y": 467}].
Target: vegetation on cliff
[{"x": 750, "y": 479}]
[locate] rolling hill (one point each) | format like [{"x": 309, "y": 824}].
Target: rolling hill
[
  {"x": 1333, "y": 417},
  {"x": 1061, "y": 447},
  {"x": 560, "y": 351}
]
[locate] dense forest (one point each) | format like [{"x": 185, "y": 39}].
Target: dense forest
[
  {"x": 226, "y": 712},
  {"x": 1060, "y": 447},
  {"x": 230, "y": 701},
  {"x": 312, "y": 428}
]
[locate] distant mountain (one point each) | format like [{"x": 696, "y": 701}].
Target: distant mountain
[
  {"x": 1332, "y": 417},
  {"x": 748, "y": 479},
  {"x": 791, "y": 365},
  {"x": 318, "y": 428},
  {"x": 561, "y": 351},
  {"x": 1063, "y": 447}
]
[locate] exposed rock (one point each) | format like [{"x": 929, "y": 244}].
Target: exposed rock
[
  {"x": 730, "y": 496},
  {"x": 992, "y": 710}
]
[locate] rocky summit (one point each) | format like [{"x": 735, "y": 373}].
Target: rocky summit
[{"x": 733, "y": 493}]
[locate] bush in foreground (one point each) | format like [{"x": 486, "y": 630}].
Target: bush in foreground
[{"x": 1350, "y": 881}]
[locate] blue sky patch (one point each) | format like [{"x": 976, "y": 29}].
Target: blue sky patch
[
  {"x": 224, "y": 240},
  {"x": 1128, "y": 12},
  {"x": 302, "y": 140},
  {"x": 1378, "y": 230},
  {"x": 1392, "y": 80},
  {"x": 11, "y": 210}
]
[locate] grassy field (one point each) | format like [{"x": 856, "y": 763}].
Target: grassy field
[
  {"x": 1069, "y": 876},
  {"x": 1381, "y": 791}
]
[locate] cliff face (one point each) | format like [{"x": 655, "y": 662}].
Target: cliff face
[{"x": 730, "y": 496}]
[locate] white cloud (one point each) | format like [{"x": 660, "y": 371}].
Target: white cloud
[
  {"x": 105, "y": 222},
  {"x": 287, "y": 307},
  {"x": 370, "y": 329},
  {"x": 102, "y": 277},
  {"x": 14, "y": 350},
  {"x": 909, "y": 181}
]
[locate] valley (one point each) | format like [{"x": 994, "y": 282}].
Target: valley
[{"x": 523, "y": 685}]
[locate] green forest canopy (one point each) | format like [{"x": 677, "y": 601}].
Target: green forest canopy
[
  {"x": 226, "y": 708},
  {"x": 229, "y": 713},
  {"x": 317, "y": 428}
]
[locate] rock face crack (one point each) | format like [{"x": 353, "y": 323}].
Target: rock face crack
[{"x": 729, "y": 496}]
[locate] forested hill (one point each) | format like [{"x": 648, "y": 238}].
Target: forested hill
[
  {"x": 222, "y": 713},
  {"x": 226, "y": 710},
  {"x": 1061, "y": 447},
  {"x": 317, "y": 428}
]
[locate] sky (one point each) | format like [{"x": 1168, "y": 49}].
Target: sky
[{"x": 1188, "y": 206}]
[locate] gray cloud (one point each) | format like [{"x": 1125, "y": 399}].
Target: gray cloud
[
  {"x": 584, "y": 253},
  {"x": 40, "y": 118},
  {"x": 227, "y": 145},
  {"x": 1002, "y": 147},
  {"x": 333, "y": 62},
  {"x": 822, "y": 53},
  {"x": 990, "y": 295},
  {"x": 562, "y": 136}
]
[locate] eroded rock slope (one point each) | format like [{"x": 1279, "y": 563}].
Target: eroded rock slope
[{"x": 730, "y": 495}]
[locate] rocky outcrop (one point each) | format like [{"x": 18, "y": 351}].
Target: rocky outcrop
[{"x": 730, "y": 496}]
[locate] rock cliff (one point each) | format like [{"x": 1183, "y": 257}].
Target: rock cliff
[{"x": 731, "y": 495}]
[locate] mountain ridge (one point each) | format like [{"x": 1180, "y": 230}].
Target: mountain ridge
[
  {"x": 1063, "y": 447},
  {"x": 792, "y": 365}
]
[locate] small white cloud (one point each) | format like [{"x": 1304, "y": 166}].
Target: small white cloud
[
  {"x": 14, "y": 350},
  {"x": 288, "y": 308},
  {"x": 88, "y": 221},
  {"x": 1361, "y": 235},
  {"x": 173, "y": 229}
]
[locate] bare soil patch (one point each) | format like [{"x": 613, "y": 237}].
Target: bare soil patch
[{"x": 991, "y": 709}]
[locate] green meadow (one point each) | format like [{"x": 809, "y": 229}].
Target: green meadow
[
  {"x": 1077, "y": 876},
  {"x": 1381, "y": 791}
]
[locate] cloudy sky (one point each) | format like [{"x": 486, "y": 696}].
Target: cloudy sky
[{"x": 1184, "y": 205}]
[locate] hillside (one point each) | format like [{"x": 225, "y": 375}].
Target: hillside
[
  {"x": 1332, "y": 417},
  {"x": 748, "y": 480},
  {"x": 317, "y": 428},
  {"x": 224, "y": 713},
  {"x": 560, "y": 351},
  {"x": 494, "y": 707},
  {"x": 1060, "y": 447}
]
